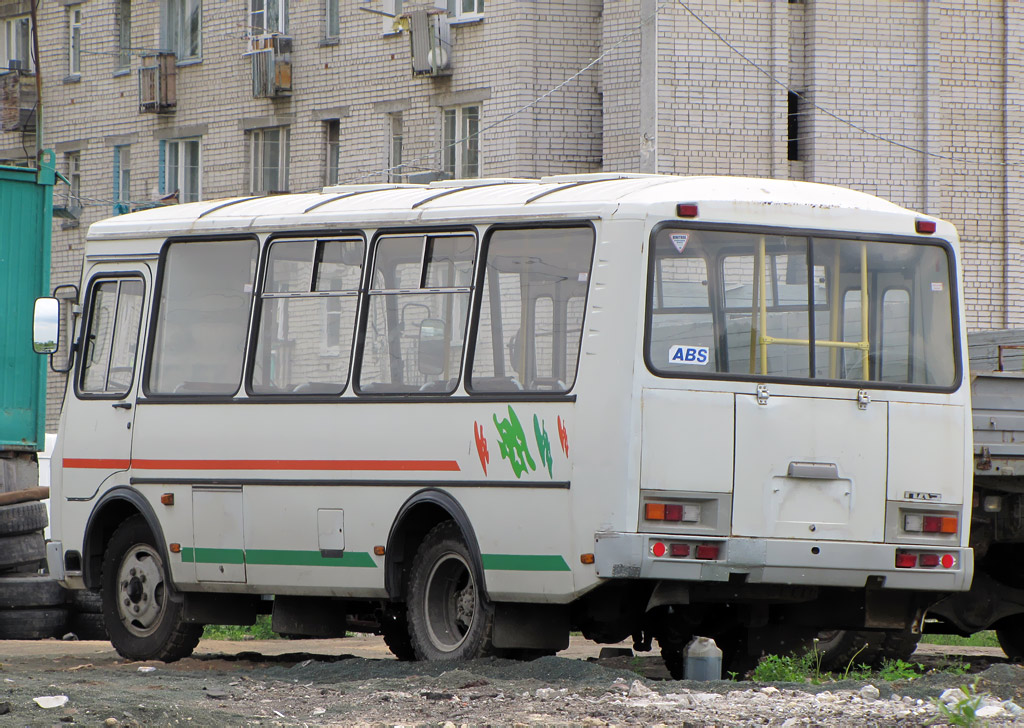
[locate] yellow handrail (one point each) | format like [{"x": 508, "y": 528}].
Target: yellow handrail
[{"x": 763, "y": 340}]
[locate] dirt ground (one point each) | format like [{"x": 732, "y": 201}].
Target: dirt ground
[{"x": 355, "y": 681}]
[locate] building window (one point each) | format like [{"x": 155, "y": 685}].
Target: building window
[
  {"x": 393, "y": 8},
  {"x": 268, "y": 16},
  {"x": 793, "y": 127},
  {"x": 75, "y": 40},
  {"x": 465, "y": 8},
  {"x": 73, "y": 169},
  {"x": 396, "y": 171},
  {"x": 332, "y": 127},
  {"x": 270, "y": 160},
  {"x": 183, "y": 28},
  {"x": 181, "y": 170},
  {"x": 331, "y": 22},
  {"x": 122, "y": 179},
  {"x": 461, "y": 153},
  {"x": 124, "y": 34},
  {"x": 17, "y": 44}
]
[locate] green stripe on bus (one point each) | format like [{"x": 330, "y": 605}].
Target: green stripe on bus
[
  {"x": 524, "y": 562},
  {"x": 276, "y": 557}
]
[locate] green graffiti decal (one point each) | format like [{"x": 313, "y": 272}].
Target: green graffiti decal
[
  {"x": 543, "y": 444},
  {"x": 513, "y": 443}
]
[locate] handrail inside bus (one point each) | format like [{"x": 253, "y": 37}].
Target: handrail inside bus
[{"x": 760, "y": 303}]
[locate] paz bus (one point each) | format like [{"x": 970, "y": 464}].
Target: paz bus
[{"x": 474, "y": 415}]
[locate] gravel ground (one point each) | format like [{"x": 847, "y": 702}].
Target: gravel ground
[{"x": 261, "y": 686}]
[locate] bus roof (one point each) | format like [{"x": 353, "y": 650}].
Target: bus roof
[{"x": 584, "y": 196}]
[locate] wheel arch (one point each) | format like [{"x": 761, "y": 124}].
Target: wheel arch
[
  {"x": 423, "y": 510},
  {"x": 114, "y": 508}
]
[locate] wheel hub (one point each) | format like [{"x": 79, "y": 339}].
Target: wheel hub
[{"x": 141, "y": 590}]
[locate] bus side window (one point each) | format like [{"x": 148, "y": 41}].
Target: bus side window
[
  {"x": 307, "y": 314},
  {"x": 416, "y": 318},
  {"x": 202, "y": 317},
  {"x": 112, "y": 337},
  {"x": 530, "y": 322}
]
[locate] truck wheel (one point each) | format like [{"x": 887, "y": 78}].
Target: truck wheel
[
  {"x": 19, "y": 518},
  {"x": 36, "y": 590},
  {"x": 88, "y": 626},
  {"x": 898, "y": 644},
  {"x": 141, "y": 609},
  {"x": 15, "y": 551},
  {"x": 449, "y": 617},
  {"x": 1011, "y": 636},
  {"x": 394, "y": 627}
]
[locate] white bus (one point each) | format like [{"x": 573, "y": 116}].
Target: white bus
[{"x": 475, "y": 415}]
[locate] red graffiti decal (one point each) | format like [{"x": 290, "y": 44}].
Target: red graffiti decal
[
  {"x": 481, "y": 445},
  {"x": 563, "y": 437}
]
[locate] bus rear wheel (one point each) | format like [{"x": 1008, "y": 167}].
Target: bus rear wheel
[
  {"x": 449, "y": 617},
  {"x": 142, "y": 612}
]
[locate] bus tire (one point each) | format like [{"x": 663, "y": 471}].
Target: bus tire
[
  {"x": 141, "y": 609},
  {"x": 898, "y": 644},
  {"x": 394, "y": 627},
  {"x": 19, "y": 518},
  {"x": 449, "y": 617},
  {"x": 32, "y": 624},
  {"x": 1010, "y": 634},
  {"x": 88, "y": 626},
  {"x": 839, "y": 649}
]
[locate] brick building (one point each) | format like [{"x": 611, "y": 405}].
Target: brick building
[{"x": 919, "y": 102}]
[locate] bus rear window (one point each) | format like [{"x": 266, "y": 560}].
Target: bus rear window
[{"x": 780, "y": 306}]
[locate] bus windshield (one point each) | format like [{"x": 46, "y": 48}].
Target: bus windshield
[{"x": 776, "y": 306}]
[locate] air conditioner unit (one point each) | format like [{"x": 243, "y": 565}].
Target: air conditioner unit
[
  {"x": 17, "y": 102},
  {"x": 271, "y": 65},
  {"x": 158, "y": 83},
  {"x": 430, "y": 39}
]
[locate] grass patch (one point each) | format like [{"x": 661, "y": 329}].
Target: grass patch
[
  {"x": 979, "y": 639},
  {"x": 259, "y": 631}
]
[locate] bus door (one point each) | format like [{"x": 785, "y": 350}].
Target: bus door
[
  {"x": 809, "y": 463},
  {"x": 101, "y": 400}
]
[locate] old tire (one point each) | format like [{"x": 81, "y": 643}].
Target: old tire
[
  {"x": 86, "y": 601},
  {"x": 141, "y": 609},
  {"x": 32, "y": 624},
  {"x": 394, "y": 627},
  {"x": 23, "y": 550},
  {"x": 449, "y": 617},
  {"x": 36, "y": 590},
  {"x": 898, "y": 644},
  {"x": 88, "y": 626},
  {"x": 19, "y": 518},
  {"x": 1010, "y": 634}
]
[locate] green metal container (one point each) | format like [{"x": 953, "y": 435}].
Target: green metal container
[{"x": 26, "y": 212}]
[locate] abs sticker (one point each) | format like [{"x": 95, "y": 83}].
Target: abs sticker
[
  {"x": 679, "y": 240},
  {"x": 699, "y": 355}
]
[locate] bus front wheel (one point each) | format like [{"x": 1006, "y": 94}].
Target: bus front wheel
[
  {"x": 449, "y": 617},
  {"x": 141, "y": 610}
]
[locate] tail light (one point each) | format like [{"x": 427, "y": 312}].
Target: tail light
[
  {"x": 924, "y": 560},
  {"x": 940, "y": 523}
]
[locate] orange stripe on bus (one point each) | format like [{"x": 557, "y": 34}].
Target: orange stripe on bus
[
  {"x": 98, "y": 463},
  {"x": 380, "y": 465}
]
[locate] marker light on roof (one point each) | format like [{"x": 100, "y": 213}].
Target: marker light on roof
[
  {"x": 925, "y": 227},
  {"x": 686, "y": 209}
]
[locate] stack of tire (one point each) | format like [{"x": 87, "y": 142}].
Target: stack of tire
[{"x": 32, "y": 604}]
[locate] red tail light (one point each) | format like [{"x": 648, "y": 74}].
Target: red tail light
[
  {"x": 707, "y": 551},
  {"x": 928, "y": 560},
  {"x": 905, "y": 560}
]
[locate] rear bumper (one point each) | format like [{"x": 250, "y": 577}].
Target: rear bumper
[{"x": 775, "y": 561}]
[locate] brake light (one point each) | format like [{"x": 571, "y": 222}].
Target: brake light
[
  {"x": 928, "y": 560},
  {"x": 905, "y": 560},
  {"x": 707, "y": 551},
  {"x": 673, "y": 512},
  {"x": 680, "y": 549},
  {"x": 932, "y": 523}
]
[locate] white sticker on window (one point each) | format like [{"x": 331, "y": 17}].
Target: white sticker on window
[
  {"x": 937, "y": 286},
  {"x": 582, "y": 278},
  {"x": 699, "y": 355},
  {"x": 679, "y": 240}
]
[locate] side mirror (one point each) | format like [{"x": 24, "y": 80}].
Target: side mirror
[
  {"x": 433, "y": 349},
  {"x": 46, "y": 326}
]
